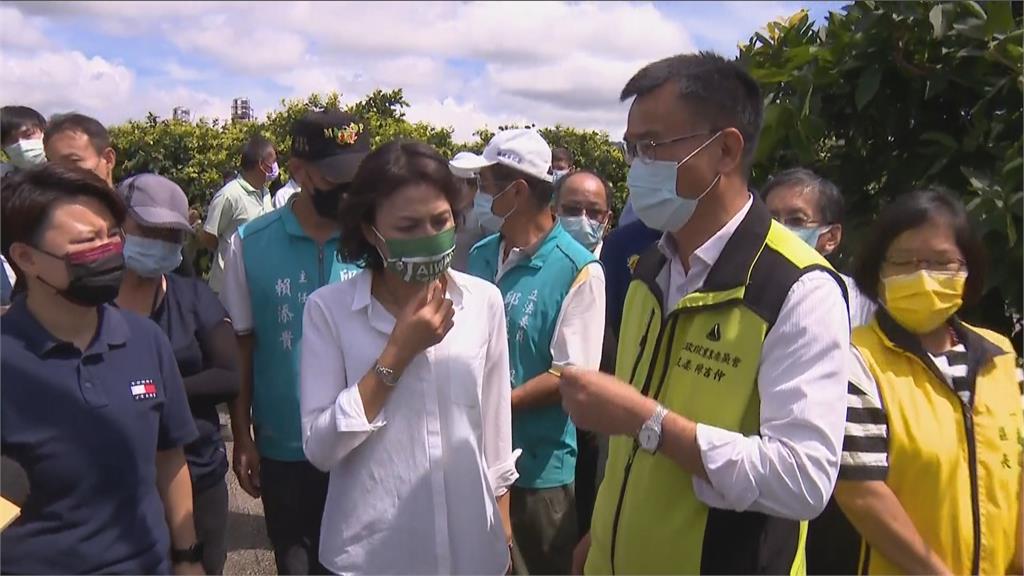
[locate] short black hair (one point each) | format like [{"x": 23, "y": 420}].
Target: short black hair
[
  {"x": 718, "y": 89},
  {"x": 564, "y": 179},
  {"x": 830, "y": 200},
  {"x": 540, "y": 190},
  {"x": 14, "y": 119},
  {"x": 254, "y": 150},
  {"x": 563, "y": 154},
  {"x": 907, "y": 212},
  {"x": 95, "y": 131},
  {"x": 27, "y": 198},
  {"x": 390, "y": 167}
]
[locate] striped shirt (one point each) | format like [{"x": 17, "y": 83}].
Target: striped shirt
[{"x": 866, "y": 439}]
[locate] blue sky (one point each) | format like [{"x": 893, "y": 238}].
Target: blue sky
[{"x": 462, "y": 64}]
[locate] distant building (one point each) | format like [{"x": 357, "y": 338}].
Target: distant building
[
  {"x": 241, "y": 110},
  {"x": 182, "y": 113}
]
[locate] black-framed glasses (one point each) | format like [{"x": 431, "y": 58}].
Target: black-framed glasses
[
  {"x": 954, "y": 265},
  {"x": 574, "y": 210},
  {"x": 645, "y": 149}
]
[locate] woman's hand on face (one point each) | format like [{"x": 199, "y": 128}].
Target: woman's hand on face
[{"x": 423, "y": 322}]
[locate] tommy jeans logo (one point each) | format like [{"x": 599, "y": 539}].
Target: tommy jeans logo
[
  {"x": 143, "y": 389},
  {"x": 715, "y": 334}
]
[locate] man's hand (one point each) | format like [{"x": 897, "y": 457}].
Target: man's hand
[
  {"x": 601, "y": 403},
  {"x": 246, "y": 463},
  {"x": 579, "y": 555}
]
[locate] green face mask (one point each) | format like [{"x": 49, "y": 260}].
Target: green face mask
[{"x": 420, "y": 260}]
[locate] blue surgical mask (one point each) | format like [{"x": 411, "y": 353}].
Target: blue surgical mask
[
  {"x": 26, "y": 153},
  {"x": 809, "y": 235},
  {"x": 652, "y": 189},
  {"x": 150, "y": 258},
  {"x": 482, "y": 214},
  {"x": 586, "y": 231}
]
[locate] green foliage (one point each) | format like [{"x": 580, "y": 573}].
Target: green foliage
[{"x": 888, "y": 97}]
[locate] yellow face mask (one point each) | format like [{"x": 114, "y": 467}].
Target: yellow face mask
[{"x": 923, "y": 300}]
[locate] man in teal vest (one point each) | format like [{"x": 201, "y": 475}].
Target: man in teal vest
[
  {"x": 274, "y": 263},
  {"x": 727, "y": 407},
  {"x": 554, "y": 304}
]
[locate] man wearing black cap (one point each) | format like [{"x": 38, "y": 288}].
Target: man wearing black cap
[{"x": 273, "y": 264}]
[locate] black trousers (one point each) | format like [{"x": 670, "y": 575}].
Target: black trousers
[
  {"x": 210, "y": 512},
  {"x": 294, "y": 495},
  {"x": 586, "y": 478}
]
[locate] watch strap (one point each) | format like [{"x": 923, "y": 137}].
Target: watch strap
[
  {"x": 191, "y": 555},
  {"x": 387, "y": 375}
]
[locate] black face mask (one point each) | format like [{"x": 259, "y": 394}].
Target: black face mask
[
  {"x": 326, "y": 201},
  {"x": 95, "y": 274}
]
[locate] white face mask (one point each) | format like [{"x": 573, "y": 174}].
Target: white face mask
[
  {"x": 652, "y": 190},
  {"x": 26, "y": 153}
]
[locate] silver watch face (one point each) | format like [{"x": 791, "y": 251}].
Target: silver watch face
[{"x": 649, "y": 438}]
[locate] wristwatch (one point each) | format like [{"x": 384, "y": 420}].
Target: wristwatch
[
  {"x": 191, "y": 555},
  {"x": 387, "y": 375},
  {"x": 650, "y": 434}
]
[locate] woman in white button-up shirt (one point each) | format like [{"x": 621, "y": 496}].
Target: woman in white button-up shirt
[{"x": 405, "y": 387}]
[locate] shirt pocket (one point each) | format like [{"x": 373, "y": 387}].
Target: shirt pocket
[{"x": 466, "y": 363}]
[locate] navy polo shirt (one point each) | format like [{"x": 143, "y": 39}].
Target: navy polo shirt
[
  {"x": 618, "y": 256},
  {"x": 86, "y": 428},
  {"x": 187, "y": 312}
]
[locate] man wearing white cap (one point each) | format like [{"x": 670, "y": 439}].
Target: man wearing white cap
[
  {"x": 554, "y": 304},
  {"x": 475, "y": 217}
]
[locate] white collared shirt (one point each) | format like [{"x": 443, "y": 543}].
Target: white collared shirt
[
  {"x": 415, "y": 490},
  {"x": 790, "y": 469},
  {"x": 285, "y": 193}
]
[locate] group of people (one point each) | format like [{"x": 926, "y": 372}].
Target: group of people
[{"x": 456, "y": 365}]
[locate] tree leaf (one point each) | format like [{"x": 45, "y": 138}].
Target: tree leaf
[
  {"x": 1000, "y": 18},
  {"x": 935, "y": 17},
  {"x": 867, "y": 86},
  {"x": 944, "y": 139}
]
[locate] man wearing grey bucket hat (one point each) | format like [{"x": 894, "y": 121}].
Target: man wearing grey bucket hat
[{"x": 205, "y": 351}]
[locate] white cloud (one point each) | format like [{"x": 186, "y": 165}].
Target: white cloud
[
  {"x": 64, "y": 80},
  {"x": 19, "y": 32},
  {"x": 461, "y": 64},
  {"x": 56, "y": 82}
]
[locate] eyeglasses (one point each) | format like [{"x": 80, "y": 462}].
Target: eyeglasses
[
  {"x": 645, "y": 150},
  {"x": 574, "y": 210},
  {"x": 914, "y": 264},
  {"x": 797, "y": 222}
]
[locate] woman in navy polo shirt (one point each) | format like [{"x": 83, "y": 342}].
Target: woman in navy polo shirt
[
  {"x": 196, "y": 324},
  {"x": 93, "y": 407}
]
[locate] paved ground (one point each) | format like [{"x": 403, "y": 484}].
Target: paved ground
[{"x": 248, "y": 547}]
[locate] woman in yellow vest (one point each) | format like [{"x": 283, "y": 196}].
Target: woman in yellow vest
[{"x": 931, "y": 463}]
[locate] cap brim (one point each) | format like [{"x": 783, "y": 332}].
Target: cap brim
[
  {"x": 161, "y": 218},
  {"x": 340, "y": 168}
]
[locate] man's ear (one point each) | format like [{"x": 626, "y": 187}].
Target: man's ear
[
  {"x": 110, "y": 157},
  {"x": 22, "y": 257},
  {"x": 732, "y": 146},
  {"x": 829, "y": 240}
]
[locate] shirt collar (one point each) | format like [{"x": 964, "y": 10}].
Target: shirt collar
[
  {"x": 248, "y": 187},
  {"x": 709, "y": 251},
  {"x": 536, "y": 251},
  {"x": 364, "y": 295},
  {"x": 111, "y": 331},
  {"x": 291, "y": 222}
]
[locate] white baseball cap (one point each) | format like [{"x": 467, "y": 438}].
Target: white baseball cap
[
  {"x": 521, "y": 148},
  {"x": 467, "y": 164}
]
